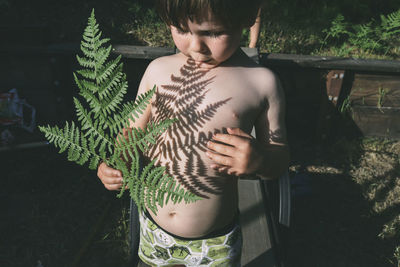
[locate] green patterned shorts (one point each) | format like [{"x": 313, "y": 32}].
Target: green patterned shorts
[{"x": 160, "y": 248}]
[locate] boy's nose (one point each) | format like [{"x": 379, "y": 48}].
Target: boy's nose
[{"x": 197, "y": 45}]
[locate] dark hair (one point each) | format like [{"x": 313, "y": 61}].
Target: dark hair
[{"x": 231, "y": 13}]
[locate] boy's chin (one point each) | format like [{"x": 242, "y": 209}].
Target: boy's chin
[{"x": 207, "y": 64}]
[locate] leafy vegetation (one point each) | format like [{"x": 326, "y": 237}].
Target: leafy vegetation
[
  {"x": 287, "y": 26},
  {"x": 373, "y": 37},
  {"x": 103, "y": 84}
]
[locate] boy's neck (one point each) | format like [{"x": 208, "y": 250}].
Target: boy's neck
[{"x": 237, "y": 58}]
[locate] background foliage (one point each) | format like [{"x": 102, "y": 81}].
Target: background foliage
[{"x": 288, "y": 26}]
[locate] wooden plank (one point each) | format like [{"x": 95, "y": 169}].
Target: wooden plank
[
  {"x": 142, "y": 52},
  {"x": 267, "y": 59},
  {"x": 365, "y": 90},
  {"x": 334, "y": 82},
  {"x": 127, "y": 51},
  {"x": 257, "y": 245},
  {"x": 372, "y": 121},
  {"x": 355, "y": 64}
]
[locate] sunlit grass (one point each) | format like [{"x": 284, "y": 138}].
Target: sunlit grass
[{"x": 377, "y": 170}]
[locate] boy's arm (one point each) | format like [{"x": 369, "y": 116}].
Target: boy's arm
[
  {"x": 271, "y": 134},
  {"x": 268, "y": 155}
]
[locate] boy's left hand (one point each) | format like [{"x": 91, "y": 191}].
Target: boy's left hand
[{"x": 237, "y": 153}]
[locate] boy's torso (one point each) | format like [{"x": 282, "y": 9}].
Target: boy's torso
[{"x": 204, "y": 102}]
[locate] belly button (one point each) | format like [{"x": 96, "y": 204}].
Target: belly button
[{"x": 172, "y": 214}]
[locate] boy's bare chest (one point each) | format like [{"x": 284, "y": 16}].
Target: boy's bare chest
[{"x": 204, "y": 101}]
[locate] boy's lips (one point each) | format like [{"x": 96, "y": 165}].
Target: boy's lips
[
  {"x": 200, "y": 60},
  {"x": 207, "y": 65},
  {"x": 203, "y": 61}
]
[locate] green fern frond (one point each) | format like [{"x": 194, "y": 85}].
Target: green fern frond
[
  {"x": 83, "y": 116},
  {"x": 114, "y": 79},
  {"x": 150, "y": 192},
  {"x": 338, "y": 28},
  {"x": 105, "y": 71},
  {"x": 142, "y": 138},
  {"x": 102, "y": 55},
  {"x": 89, "y": 74},
  {"x": 85, "y": 62},
  {"x": 110, "y": 103},
  {"x": 88, "y": 52},
  {"x": 391, "y": 21},
  {"x": 373, "y": 36},
  {"x": 70, "y": 139},
  {"x": 364, "y": 36},
  {"x": 102, "y": 115},
  {"x": 130, "y": 111},
  {"x": 390, "y": 25}
]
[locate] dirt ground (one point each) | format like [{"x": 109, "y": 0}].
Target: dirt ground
[
  {"x": 56, "y": 213},
  {"x": 347, "y": 205}
]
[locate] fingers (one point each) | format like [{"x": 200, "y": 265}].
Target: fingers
[
  {"x": 220, "y": 159},
  {"x": 238, "y": 132},
  {"x": 235, "y": 137},
  {"x": 112, "y": 183},
  {"x": 108, "y": 171},
  {"x": 221, "y": 148},
  {"x": 226, "y": 138},
  {"x": 223, "y": 169},
  {"x": 219, "y": 168},
  {"x": 111, "y": 178}
]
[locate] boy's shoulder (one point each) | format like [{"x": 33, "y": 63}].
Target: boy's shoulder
[
  {"x": 162, "y": 66},
  {"x": 165, "y": 62},
  {"x": 257, "y": 76},
  {"x": 262, "y": 78}
]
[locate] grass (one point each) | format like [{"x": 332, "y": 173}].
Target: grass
[
  {"x": 381, "y": 97},
  {"x": 287, "y": 27}
]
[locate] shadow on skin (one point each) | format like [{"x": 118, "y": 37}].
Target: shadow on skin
[{"x": 183, "y": 141}]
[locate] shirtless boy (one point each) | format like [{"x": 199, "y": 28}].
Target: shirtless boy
[{"x": 218, "y": 94}]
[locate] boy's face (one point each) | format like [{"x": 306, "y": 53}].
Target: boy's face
[{"x": 208, "y": 42}]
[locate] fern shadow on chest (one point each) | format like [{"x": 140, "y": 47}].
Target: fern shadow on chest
[{"x": 181, "y": 149}]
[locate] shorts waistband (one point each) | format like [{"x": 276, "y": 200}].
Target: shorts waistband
[{"x": 219, "y": 232}]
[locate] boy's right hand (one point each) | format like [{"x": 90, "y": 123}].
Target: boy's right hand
[{"x": 111, "y": 178}]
